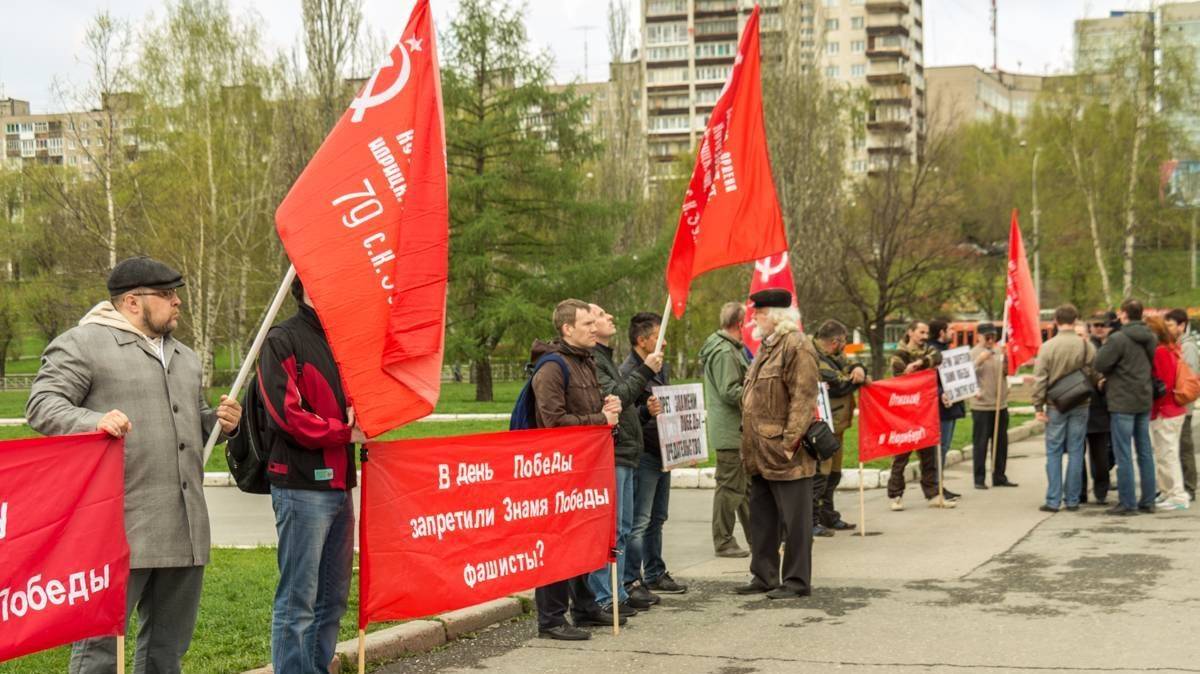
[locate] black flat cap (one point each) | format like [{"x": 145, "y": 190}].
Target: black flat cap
[
  {"x": 142, "y": 272},
  {"x": 771, "y": 297},
  {"x": 987, "y": 329}
]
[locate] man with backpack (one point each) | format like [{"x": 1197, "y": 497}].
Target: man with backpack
[
  {"x": 1189, "y": 346},
  {"x": 566, "y": 392},
  {"x": 309, "y": 439}
]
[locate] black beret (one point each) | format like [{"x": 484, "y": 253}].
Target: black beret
[
  {"x": 142, "y": 272},
  {"x": 771, "y": 297},
  {"x": 987, "y": 329}
]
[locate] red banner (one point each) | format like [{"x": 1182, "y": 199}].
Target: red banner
[
  {"x": 453, "y": 522},
  {"x": 774, "y": 271},
  {"x": 898, "y": 415},
  {"x": 1024, "y": 336},
  {"x": 65, "y": 561},
  {"x": 730, "y": 212},
  {"x": 367, "y": 227}
]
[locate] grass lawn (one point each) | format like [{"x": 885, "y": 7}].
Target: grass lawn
[{"x": 233, "y": 633}]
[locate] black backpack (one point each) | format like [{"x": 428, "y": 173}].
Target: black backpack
[
  {"x": 524, "y": 414},
  {"x": 248, "y": 452}
]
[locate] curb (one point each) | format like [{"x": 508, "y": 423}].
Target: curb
[{"x": 420, "y": 636}]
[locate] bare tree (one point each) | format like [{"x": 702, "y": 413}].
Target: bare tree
[{"x": 331, "y": 32}]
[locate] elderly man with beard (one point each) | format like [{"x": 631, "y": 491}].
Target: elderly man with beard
[{"x": 779, "y": 403}]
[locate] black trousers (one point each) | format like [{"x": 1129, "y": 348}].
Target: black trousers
[
  {"x": 1099, "y": 461},
  {"x": 824, "y": 488},
  {"x": 983, "y": 422},
  {"x": 554, "y": 599},
  {"x": 781, "y": 509}
]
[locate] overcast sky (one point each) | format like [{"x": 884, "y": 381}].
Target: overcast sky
[{"x": 41, "y": 39}]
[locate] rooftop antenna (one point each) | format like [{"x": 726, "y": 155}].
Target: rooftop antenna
[
  {"x": 995, "y": 41},
  {"x": 586, "y": 30}
]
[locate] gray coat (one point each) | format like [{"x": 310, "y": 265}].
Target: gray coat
[
  {"x": 1126, "y": 361},
  {"x": 94, "y": 368}
]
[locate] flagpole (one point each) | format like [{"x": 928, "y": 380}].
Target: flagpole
[
  {"x": 999, "y": 390},
  {"x": 662, "y": 329},
  {"x": 362, "y": 651},
  {"x": 616, "y": 609},
  {"x": 121, "y": 654},
  {"x": 252, "y": 356}
]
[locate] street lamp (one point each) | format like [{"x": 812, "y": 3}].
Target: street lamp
[{"x": 1037, "y": 252}]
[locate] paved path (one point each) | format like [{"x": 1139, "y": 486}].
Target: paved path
[{"x": 993, "y": 586}]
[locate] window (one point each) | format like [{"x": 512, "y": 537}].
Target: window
[
  {"x": 831, "y": 24},
  {"x": 831, "y": 48},
  {"x": 666, "y": 33},
  {"x": 41, "y": 127},
  {"x": 660, "y": 7},
  {"x": 707, "y": 96},
  {"x": 832, "y": 3},
  {"x": 83, "y": 142},
  {"x": 858, "y": 70},
  {"x": 858, "y": 46},
  {"x": 709, "y": 50},
  {"x": 666, "y": 75},
  {"x": 718, "y": 27},
  {"x": 12, "y": 128},
  {"x": 712, "y": 73},
  {"x": 55, "y": 145},
  {"x": 14, "y": 145},
  {"x": 669, "y": 123},
  {"x": 27, "y": 127},
  {"x": 856, "y": 23},
  {"x": 832, "y": 72},
  {"x": 41, "y": 143},
  {"x": 26, "y": 148},
  {"x": 674, "y": 53},
  {"x": 859, "y": 166}
]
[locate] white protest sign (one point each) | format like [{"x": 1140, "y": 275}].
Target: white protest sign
[
  {"x": 681, "y": 435},
  {"x": 958, "y": 374},
  {"x": 823, "y": 409}
]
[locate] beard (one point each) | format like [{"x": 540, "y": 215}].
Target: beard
[{"x": 758, "y": 334}]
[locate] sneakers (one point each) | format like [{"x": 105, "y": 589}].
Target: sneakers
[
  {"x": 1146, "y": 510},
  {"x": 599, "y": 618},
  {"x": 898, "y": 504},
  {"x": 564, "y": 632},
  {"x": 1167, "y": 506},
  {"x": 939, "y": 502},
  {"x": 950, "y": 496},
  {"x": 842, "y": 525},
  {"x": 1121, "y": 511},
  {"x": 821, "y": 531},
  {"x": 665, "y": 584},
  {"x": 641, "y": 594},
  {"x": 1047, "y": 509},
  {"x": 629, "y": 608}
]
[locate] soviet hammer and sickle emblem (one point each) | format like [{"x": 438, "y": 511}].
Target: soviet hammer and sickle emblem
[
  {"x": 369, "y": 99},
  {"x": 766, "y": 270}
]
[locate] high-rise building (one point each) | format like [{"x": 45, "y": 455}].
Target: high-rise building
[
  {"x": 64, "y": 139},
  {"x": 962, "y": 94},
  {"x": 688, "y": 47}
]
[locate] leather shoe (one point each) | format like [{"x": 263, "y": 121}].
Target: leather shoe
[
  {"x": 1005, "y": 483},
  {"x": 1121, "y": 511},
  {"x": 1149, "y": 510},
  {"x": 752, "y": 588},
  {"x": 639, "y": 592},
  {"x": 821, "y": 531},
  {"x": 950, "y": 495},
  {"x": 630, "y": 610},
  {"x": 786, "y": 593},
  {"x": 733, "y": 552},
  {"x": 843, "y": 525},
  {"x": 564, "y": 632},
  {"x": 598, "y": 618},
  {"x": 1047, "y": 509}
]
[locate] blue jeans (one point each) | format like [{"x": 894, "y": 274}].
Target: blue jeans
[
  {"x": 947, "y": 438},
  {"x": 1128, "y": 431},
  {"x": 316, "y": 552},
  {"x": 600, "y": 580},
  {"x": 1066, "y": 432},
  {"x": 652, "y": 497}
]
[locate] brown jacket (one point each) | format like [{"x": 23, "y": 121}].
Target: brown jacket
[
  {"x": 991, "y": 375},
  {"x": 906, "y": 353},
  {"x": 779, "y": 402},
  {"x": 582, "y": 403}
]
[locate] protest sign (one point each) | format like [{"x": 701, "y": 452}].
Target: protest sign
[
  {"x": 898, "y": 415},
  {"x": 958, "y": 374},
  {"x": 62, "y": 541},
  {"x": 681, "y": 436},
  {"x": 452, "y": 522},
  {"x": 824, "y": 412}
]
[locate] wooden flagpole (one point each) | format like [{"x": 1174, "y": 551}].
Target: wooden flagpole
[
  {"x": 121, "y": 654},
  {"x": 255, "y": 347},
  {"x": 362, "y": 652},
  {"x": 616, "y": 604},
  {"x": 662, "y": 329},
  {"x": 999, "y": 389}
]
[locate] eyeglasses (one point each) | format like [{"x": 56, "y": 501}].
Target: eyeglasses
[{"x": 165, "y": 294}]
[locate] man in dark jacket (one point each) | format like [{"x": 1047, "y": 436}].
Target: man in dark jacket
[
  {"x": 723, "y": 359},
  {"x": 914, "y": 354},
  {"x": 1099, "y": 458},
  {"x": 628, "y": 449},
  {"x": 645, "y": 570},
  {"x": 948, "y": 414},
  {"x": 1125, "y": 363},
  {"x": 580, "y": 404},
  {"x": 842, "y": 379},
  {"x": 310, "y": 434}
]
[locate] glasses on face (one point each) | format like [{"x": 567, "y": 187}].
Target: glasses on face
[{"x": 165, "y": 294}]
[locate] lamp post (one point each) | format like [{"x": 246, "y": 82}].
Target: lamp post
[{"x": 1037, "y": 242}]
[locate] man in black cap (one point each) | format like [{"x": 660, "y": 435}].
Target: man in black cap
[
  {"x": 120, "y": 371},
  {"x": 779, "y": 403},
  {"x": 991, "y": 372}
]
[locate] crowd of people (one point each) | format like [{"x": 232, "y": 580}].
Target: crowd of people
[{"x": 1120, "y": 386}]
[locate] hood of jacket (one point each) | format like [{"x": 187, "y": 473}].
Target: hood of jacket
[
  {"x": 107, "y": 315},
  {"x": 541, "y": 348},
  {"x": 1140, "y": 334},
  {"x": 717, "y": 341}
]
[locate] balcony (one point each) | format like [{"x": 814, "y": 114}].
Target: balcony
[
  {"x": 890, "y": 119},
  {"x": 716, "y": 7},
  {"x": 888, "y": 46},
  {"x": 888, "y": 24},
  {"x": 893, "y": 71},
  {"x": 893, "y": 93},
  {"x": 874, "y": 6}
]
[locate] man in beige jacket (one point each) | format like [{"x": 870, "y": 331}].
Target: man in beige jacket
[
  {"x": 1066, "y": 430},
  {"x": 779, "y": 403},
  {"x": 991, "y": 371}
]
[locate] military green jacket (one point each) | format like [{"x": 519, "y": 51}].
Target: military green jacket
[{"x": 724, "y": 361}]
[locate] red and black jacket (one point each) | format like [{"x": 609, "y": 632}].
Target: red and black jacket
[{"x": 299, "y": 384}]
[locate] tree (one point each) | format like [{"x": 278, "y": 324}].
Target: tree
[
  {"x": 522, "y": 226},
  {"x": 331, "y": 32}
]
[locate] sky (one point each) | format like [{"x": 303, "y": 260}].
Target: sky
[{"x": 41, "y": 40}]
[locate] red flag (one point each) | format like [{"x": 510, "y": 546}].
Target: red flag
[
  {"x": 1022, "y": 314},
  {"x": 769, "y": 272},
  {"x": 730, "y": 212},
  {"x": 898, "y": 415},
  {"x": 453, "y": 522},
  {"x": 367, "y": 227},
  {"x": 65, "y": 561}
]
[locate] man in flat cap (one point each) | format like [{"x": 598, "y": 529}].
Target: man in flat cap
[
  {"x": 120, "y": 371},
  {"x": 991, "y": 371},
  {"x": 779, "y": 403}
]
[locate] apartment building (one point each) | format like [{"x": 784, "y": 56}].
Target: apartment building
[
  {"x": 63, "y": 139},
  {"x": 959, "y": 95},
  {"x": 688, "y": 47}
]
